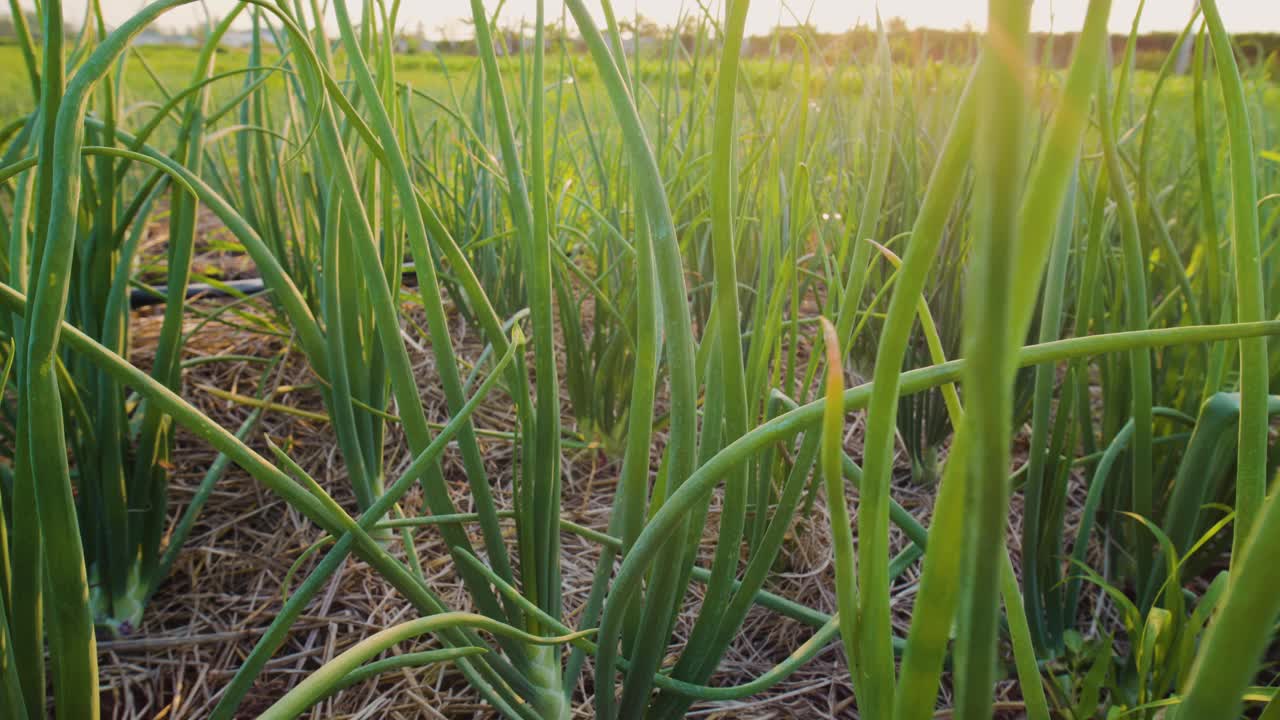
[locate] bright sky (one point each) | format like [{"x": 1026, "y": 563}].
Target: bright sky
[{"x": 829, "y": 15}]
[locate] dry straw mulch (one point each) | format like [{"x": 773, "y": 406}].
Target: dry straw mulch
[{"x": 226, "y": 587}]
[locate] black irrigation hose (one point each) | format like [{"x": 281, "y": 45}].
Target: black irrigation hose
[
  {"x": 146, "y": 297},
  {"x": 159, "y": 295}
]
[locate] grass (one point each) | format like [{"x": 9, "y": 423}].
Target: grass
[{"x": 662, "y": 255}]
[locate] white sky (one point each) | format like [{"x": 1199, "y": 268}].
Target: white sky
[{"x": 829, "y": 15}]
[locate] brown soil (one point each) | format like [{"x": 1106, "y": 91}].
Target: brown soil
[{"x": 226, "y": 586}]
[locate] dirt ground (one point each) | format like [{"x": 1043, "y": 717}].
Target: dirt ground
[{"x": 226, "y": 587}]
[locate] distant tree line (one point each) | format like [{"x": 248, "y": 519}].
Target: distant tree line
[
  {"x": 7, "y": 31},
  {"x": 962, "y": 46},
  {"x": 909, "y": 46}
]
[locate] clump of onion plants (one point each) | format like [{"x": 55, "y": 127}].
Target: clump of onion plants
[{"x": 658, "y": 202}]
